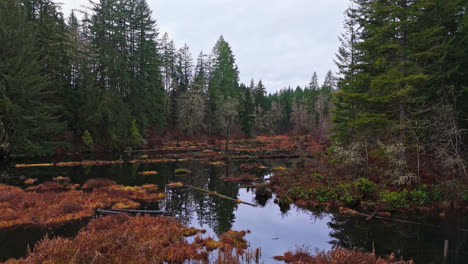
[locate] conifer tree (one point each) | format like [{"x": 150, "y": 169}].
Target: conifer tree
[
  {"x": 224, "y": 77},
  {"x": 200, "y": 79},
  {"x": 28, "y": 119},
  {"x": 247, "y": 113}
]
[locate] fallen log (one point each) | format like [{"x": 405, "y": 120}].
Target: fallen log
[
  {"x": 368, "y": 217},
  {"x": 372, "y": 215},
  {"x": 213, "y": 193}
]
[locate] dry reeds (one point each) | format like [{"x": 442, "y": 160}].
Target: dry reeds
[
  {"x": 142, "y": 239},
  {"x": 52, "y": 204},
  {"x": 337, "y": 256}
]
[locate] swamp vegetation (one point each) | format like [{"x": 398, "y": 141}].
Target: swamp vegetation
[{"x": 116, "y": 148}]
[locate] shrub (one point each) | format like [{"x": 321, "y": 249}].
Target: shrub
[
  {"x": 345, "y": 194},
  {"x": 464, "y": 196},
  {"x": 135, "y": 138},
  {"x": 420, "y": 196},
  {"x": 450, "y": 189},
  {"x": 336, "y": 255},
  {"x": 394, "y": 200},
  {"x": 87, "y": 139},
  {"x": 300, "y": 192},
  {"x": 365, "y": 187},
  {"x": 324, "y": 195},
  {"x": 436, "y": 194},
  {"x": 284, "y": 200},
  {"x": 318, "y": 176}
]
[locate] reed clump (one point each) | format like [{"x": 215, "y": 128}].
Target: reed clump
[
  {"x": 141, "y": 239},
  {"x": 51, "y": 204},
  {"x": 337, "y": 255}
]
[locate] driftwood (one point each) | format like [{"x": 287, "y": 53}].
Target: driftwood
[
  {"x": 214, "y": 193},
  {"x": 373, "y": 215},
  {"x": 119, "y": 211}
]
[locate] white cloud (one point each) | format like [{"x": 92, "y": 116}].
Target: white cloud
[{"x": 281, "y": 42}]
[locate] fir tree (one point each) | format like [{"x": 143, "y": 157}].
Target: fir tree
[
  {"x": 27, "y": 117},
  {"x": 247, "y": 114},
  {"x": 224, "y": 77}
]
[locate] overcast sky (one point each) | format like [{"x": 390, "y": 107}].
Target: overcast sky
[{"x": 282, "y": 42}]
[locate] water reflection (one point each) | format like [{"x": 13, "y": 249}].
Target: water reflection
[{"x": 274, "y": 230}]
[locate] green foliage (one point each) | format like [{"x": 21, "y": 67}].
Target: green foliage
[
  {"x": 450, "y": 189},
  {"x": 436, "y": 194},
  {"x": 284, "y": 199},
  {"x": 301, "y": 192},
  {"x": 325, "y": 194},
  {"x": 464, "y": 196},
  {"x": 318, "y": 176},
  {"x": 136, "y": 140},
  {"x": 247, "y": 114},
  {"x": 87, "y": 139},
  {"x": 345, "y": 193},
  {"x": 366, "y": 187},
  {"x": 394, "y": 200},
  {"x": 420, "y": 196},
  {"x": 28, "y": 113},
  {"x": 401, "y": 80}
]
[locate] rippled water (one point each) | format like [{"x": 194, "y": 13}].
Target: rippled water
[{"x": 274, "y": 230}]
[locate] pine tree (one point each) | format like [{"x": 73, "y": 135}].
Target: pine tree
[
  {"x": 348, "y": 100},
  {"x": 224, "y": 78},
  {"x": 200, "y": 79},
  {"x": 168, "y": 60},
  {"x": 259, "y": 93},
  {"x": 313, "y": 85},
  {"x": 27, "y": 117},
  {"x": 247, "y": 113},
  {"x": 146, "y": 96}
]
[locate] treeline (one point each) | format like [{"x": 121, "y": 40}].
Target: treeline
[
  {"x": 403, "y": 88},
  {"x": 109, "y": 81}
]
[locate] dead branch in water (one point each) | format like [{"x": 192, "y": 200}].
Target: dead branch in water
[{"x": 213, "y": 193}]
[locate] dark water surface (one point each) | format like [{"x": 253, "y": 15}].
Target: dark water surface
[{"x": 273, "y": 229}]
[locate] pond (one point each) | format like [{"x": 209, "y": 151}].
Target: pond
[{"x": 275, "y": 230}]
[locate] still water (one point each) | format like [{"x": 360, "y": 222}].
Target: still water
[{"x": 275, "y": 230}]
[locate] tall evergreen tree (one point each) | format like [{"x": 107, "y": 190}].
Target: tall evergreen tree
[
  {"x": 26, "y": 113},
  {"x": 200, "y": 79},
  {"x": 224, "y": 78},
  {"x": 247, "y": 113}
]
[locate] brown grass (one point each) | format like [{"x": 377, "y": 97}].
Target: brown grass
[
  {"x": 52, "y": 205},
  {"x": 142, "y": 239},
  {"x": 337, "y": 256},
  {"x": 97, "y": 183}
]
